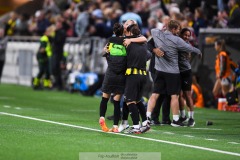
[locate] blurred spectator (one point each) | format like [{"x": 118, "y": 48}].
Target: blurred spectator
[
  {"x": 220, "y": 5},
  {"x": 209, "y": 10},
  {"x": 42, "y": 22},
  {"x": 131, "y": 15},
  {"x": 200, "y": 21},
  {"x": 99, "y": 28},
  {"x": 111, "y": 17},
  {"x": 221, "y": 20},
  {"x": 152, "y": 23},
  {"x": 3, "y": 44},
  {"x": 78, "y": 18},
  {"x": 234, "y": 14},
  {"x": 10, "y": 27},
  {"x": 164, "y": 21},
  {"x": 32, "y": 25},
  {"x": 173, "y": 10},
  {"x": 116, "y": 5},
  {"x": 82, "y": 21},
  {"x": 193, "y": 4},
  {"x": 68, "y": 23},
  {"x": 50, "y": 5},
  {"x": 157, "y": 14},
  {"x": 22, "y": 25},
  {"x": 189, "y": 17},
  {"x": 144, "y": 13},
  {"x": 124, "y": 4}
]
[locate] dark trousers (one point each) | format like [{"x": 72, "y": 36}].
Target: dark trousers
[
  {"x": 164, "y": 101},
  {"x": 57, "y": 72},
  {"x": 1, "y": 68},
  {"x": 43, "y": 69}
]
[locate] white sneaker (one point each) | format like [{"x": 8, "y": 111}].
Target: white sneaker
[
  {"x": 122, "y": 127},
  {"x": 147, "y": 122}
]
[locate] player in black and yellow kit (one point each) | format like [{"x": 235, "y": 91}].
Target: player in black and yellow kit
[
  {"x": 114, "y": 80},
  {"x": 137, "y": 56}
]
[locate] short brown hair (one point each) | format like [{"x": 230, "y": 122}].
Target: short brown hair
[
  {"x": 134, "y": 29},
  {"x": 173, "y": 24}
]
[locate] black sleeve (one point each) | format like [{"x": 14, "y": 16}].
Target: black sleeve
[
  {"x": 151, "y": 45},
  {"x": 233, "y": 21},
  {"x": 117, "y": 40},
  {"x": 43, "y": 44},
  {"x": 164, "y": 7}
]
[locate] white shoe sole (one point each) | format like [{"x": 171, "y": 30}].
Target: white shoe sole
[
  {"x": 121, "y": 129},
  {"x": 192, "y": 125},
  {"x": 176, "y": 125}
]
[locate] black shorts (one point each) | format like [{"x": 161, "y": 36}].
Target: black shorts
[
  {"x": 113, "y": 83},
  {"x": 134, "y": 87},
  {"x": 186, "y": 80},
  {"x": 167, "y": 83}
]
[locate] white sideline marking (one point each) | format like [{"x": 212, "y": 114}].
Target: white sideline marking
[
  {"x": 6, "y": 98},
  {"x": 81, "y": 110},
  {"x": 211, "y": 139},
  {"x": 214, "y": 129},
  {"x": 126, "y": 135},
  {"x": 18, "y": 108},
  {"x": 168, "y": 132},
  {"x": 5, "y": 106},
  {"x": 233, "y": 143},
  {"x": 188, "y": 136},
  {"x": 57, "y": 98}
]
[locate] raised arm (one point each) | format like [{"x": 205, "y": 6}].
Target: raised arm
[
  {"x": 140, "y": 39},
  {"x": 185, "y": 47}
]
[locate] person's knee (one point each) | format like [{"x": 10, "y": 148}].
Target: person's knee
[
  {"x": 174, "y": 97},
  {"x": 154, "y": 96}
]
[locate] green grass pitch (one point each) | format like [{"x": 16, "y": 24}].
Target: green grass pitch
[{"x": 63, "y": 136}]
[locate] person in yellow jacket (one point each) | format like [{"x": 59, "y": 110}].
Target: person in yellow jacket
[
  {"x": 11, "y": 25},
  {"x": 224, "y": 74},
  {"x": 44, "y": 59}
]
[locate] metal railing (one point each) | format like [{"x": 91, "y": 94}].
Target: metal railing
[{"x": 21, "y": 64}]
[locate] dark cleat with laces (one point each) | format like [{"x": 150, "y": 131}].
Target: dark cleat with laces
[
  {"x": 191, "y": 122},
  {"x": 177, "y": 124},
  {"x": 183, "y": 120}
]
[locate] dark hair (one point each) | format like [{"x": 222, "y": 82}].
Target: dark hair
[
  {"x": 221, "y": 43},
  {"x": 185, "y": 30},
  {"x": 172, "y": 24},
  {"x": 82, "y": 8},
  {"x": 134, "y": 29},
  {"x": 130, "y": 7},
  {"x": 129, "y": 27},
  {"x": 118, "y": 29}
]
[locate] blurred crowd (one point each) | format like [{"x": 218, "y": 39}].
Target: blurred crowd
[{"x": 96, "y": 17}]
